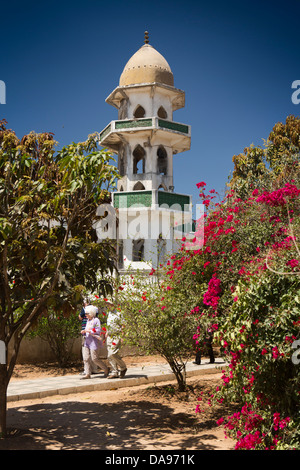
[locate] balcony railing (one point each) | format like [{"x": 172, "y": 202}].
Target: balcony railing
[
  {"x": 151, "y": 198},
  {"x": 144, "y": 123}
]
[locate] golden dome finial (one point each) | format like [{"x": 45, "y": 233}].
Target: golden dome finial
[{"x": 147, "y": 65}]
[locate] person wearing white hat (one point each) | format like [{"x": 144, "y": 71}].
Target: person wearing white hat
[
  {"x": 92, "y": 342},
  {"x": 83, "y": 319}
]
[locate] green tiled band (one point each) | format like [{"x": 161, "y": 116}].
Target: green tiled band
[
  {"x": 174, "y": 126},
  {"x": 133, "y": 123},
  {"x": 124, "y": 200},
  {"x": 144, "y": 199}
]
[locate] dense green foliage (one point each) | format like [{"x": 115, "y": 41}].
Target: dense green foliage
[
  {"x": 153, "y": 321},
  {"x": 59, "y": 331},
  {"x": 249, "y": 264},
  {"x": 48, "y": 247}
]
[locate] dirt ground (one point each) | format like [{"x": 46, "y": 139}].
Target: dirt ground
[{"x": 144, "y": 417}]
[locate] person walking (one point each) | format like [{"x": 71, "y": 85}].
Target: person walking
[
  {"x": 83, "y": 318},
  {"x": 92, "y": 343},
  {"x": 113, "y": 342},
  {"x": 208, "y": 346}
]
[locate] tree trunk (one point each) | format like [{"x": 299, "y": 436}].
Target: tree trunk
[
  {"x": 3, "y": 399},
  {"x": 6, "y": 371},
  {"x": 179, "y": 371}
]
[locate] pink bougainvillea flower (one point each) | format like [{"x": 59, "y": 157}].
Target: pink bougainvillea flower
[{"x": 293, "y": 263}]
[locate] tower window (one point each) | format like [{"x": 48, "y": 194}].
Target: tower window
[
  {"x": 138, "y": 160},
  {"x": 162, "y": 113},
  {"x": 137, "y": 250},
  {"x": 138, "y": 186},
  {"x": 139, "y": 112},
  {"x": 162, "y": 160}
]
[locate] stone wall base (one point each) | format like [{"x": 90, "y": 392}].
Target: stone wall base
[{"x": 37, "y": 351}]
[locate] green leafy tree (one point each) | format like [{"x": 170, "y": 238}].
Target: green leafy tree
[
  {"x": 156, "y": 319},
  {"x": 59, "y": 330},
  {"x": 249, "y": 170},
  {"x": 48, "y": 246},
  {"x": 275, "y": 164},
  {"x": 283, "y": 149}
]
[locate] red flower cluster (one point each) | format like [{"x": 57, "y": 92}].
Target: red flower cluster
[
  {"x": 293, "y": 263},
  {"x": 280, "y": 196},
  {"x": 211, "y": 296}
]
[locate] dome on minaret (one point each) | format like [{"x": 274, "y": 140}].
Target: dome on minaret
[{"x": 147, "y": 65}]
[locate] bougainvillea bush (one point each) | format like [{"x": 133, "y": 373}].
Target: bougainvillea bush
[
  {"x": 239, "y": 280},
  {"x": 263, "y": 374},
  {"x": 247, "y": 280},
  {"x": 260, "y": 330}
]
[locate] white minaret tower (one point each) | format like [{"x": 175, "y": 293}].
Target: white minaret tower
[{"x": 145, "y": 137}]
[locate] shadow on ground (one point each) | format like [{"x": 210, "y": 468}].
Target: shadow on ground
[{"x": 87, "y": 426}]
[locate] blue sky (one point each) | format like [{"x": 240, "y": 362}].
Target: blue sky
[{"x": 235, "y": 60}]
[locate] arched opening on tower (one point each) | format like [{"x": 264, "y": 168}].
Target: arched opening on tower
[
  {"x": 139, "y": 112},
  {"x": 139, "y": 155},
  {"x": 121, "y": 166},
  {"x": 162, "y": 161},
  {"x": 162, "y": 113},
  {"x": 138, "y": 250},
  {"x": 138, "y": 186}
]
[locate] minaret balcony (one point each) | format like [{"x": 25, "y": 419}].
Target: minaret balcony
[
  {"x": 152, "y": 199},
  {"x": 157, "y": 211},
  {"x": 178, "y": 134}
]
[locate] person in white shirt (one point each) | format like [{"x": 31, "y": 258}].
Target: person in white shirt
[{"x": 113, "y": 342}]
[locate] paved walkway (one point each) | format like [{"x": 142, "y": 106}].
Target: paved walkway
[{"x": 68, "y": 384}]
